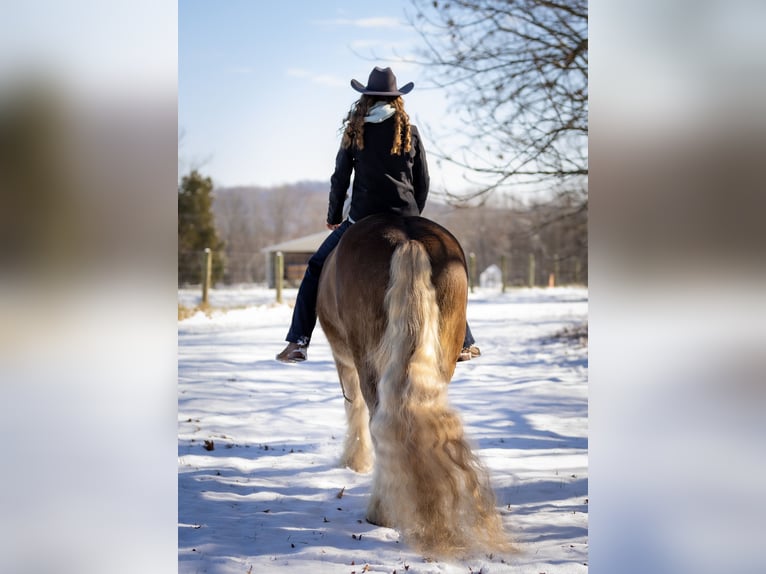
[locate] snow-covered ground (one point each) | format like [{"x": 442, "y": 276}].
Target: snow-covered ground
[{"x": 270, "y": 496}]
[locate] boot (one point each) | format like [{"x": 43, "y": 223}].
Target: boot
[
  {"x": 293, "y": 353},
  {"x": 469, "y": 353}
]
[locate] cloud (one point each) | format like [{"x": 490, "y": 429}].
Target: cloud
[
  {"x": 322, "y": 79},
  {"x": 367, "y": 43},
  {"x": 382, "y": 22},
  {"x": 379, "y": 22},
  {"x": 298, "y": 73}
]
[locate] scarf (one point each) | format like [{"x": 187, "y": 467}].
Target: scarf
[{"x": 379, "y": 112}]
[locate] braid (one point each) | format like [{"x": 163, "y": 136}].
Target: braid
[
  {"x": 353, "y": 132},
  {"x": 353, "y": 125},
  {"x": 401, "y": 128}
]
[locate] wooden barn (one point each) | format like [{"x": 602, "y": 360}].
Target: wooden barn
[{"x": 297, "y": 253}]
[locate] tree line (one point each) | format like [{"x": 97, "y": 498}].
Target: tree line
[{"x": 238, "y": 222}]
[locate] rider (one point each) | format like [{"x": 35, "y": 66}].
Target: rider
[{"x": 386, "y": 154}]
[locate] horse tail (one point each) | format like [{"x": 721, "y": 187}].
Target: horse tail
[{"x": 434, "y": 488}]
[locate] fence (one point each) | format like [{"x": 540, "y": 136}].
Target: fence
[{"x": 517, "y": 269}]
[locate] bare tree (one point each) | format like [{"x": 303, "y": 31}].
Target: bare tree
[
  {"x": 517, "y": 72},
  {"x": 554, "y": 231},
  {"x": 250, "y": 218}
]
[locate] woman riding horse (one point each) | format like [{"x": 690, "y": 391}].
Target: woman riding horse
[{"x": 386, "y": 155}]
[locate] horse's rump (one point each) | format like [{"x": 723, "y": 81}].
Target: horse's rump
[{"x": 352, "y": 302}]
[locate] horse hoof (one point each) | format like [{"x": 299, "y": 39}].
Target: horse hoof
[
  {"x": 360, "y": 464},
  {"x": 377, "y": 519},
  {"x": 377, "y": 522}
]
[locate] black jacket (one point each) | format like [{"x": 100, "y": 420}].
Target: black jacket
[{"x": 382, "y": 182}]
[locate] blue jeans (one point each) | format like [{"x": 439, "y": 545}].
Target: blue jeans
[{"x": 305, "y": 310}]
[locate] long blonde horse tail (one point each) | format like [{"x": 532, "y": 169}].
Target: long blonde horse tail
[{"x": 434, "y": 489}]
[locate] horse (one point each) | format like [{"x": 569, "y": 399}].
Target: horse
[{"x": 392, "y": 304}]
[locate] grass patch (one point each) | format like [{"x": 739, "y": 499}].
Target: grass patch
[{"x": 186, "y": 312}]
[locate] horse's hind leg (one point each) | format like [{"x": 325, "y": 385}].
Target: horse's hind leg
[
  {"x": 377, "y": 507},
  {"x": 357, "y": 453}
]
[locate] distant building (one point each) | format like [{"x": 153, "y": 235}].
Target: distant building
[
  {"x": 491, "y": 277},
  {"x": 297, "y": 253}
]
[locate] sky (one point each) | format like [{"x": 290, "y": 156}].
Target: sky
[{"x": 263, "y": 86}]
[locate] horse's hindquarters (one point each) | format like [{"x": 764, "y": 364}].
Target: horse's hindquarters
[{"x": 392, "y": 300}]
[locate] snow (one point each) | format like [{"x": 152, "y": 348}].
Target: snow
[{"x": 270, "y": 495}]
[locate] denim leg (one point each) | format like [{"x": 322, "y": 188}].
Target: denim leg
[
  {"x": 469, "y": 340},
  {"x": 305, "y": 310}
]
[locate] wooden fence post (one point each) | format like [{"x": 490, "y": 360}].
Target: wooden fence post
[
  {"x": 531, "y": 269},
  {"x": 503, "y": 272},
  {"x": 279, "y": 274},
  {"x": 207, "y": 268}
]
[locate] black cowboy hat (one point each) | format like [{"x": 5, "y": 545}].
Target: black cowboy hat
[{"x": 382, "y": 82}]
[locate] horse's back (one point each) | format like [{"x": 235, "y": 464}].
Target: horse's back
[{"x": 364, "y": 253}]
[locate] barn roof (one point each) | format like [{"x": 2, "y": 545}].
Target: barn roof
[{"x": 305, "y": 244}]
